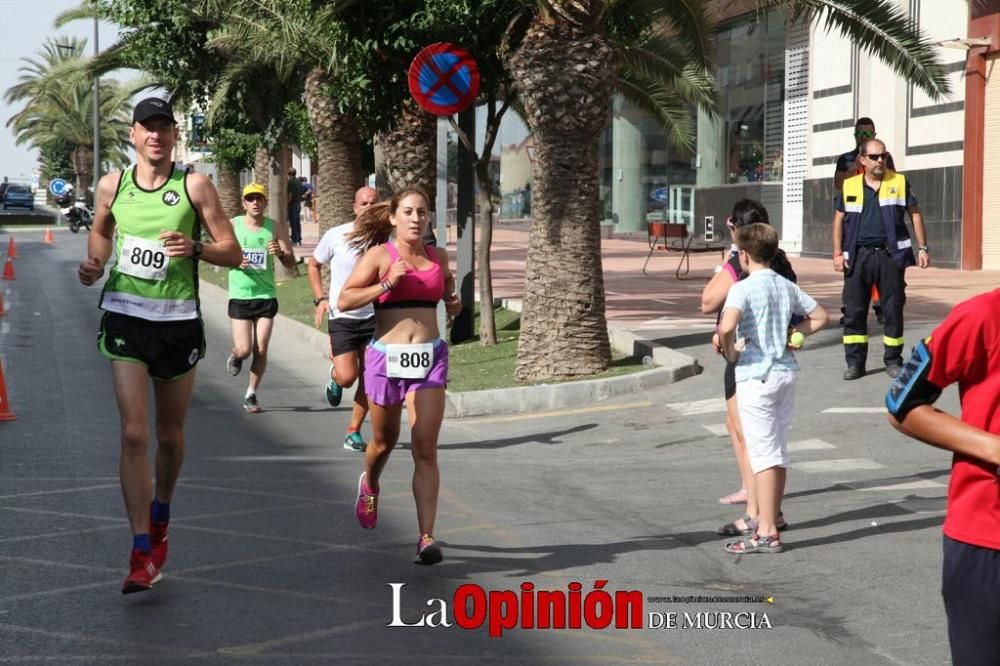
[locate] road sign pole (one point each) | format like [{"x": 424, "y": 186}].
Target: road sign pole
[
  {"x": 465, "y": 278},
  {"x": 441, "y": 200}
]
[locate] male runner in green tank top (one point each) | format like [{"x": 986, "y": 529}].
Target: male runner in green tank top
[
  {"x": 253, "y": 297},
  {"x": 151, "y": 216}
]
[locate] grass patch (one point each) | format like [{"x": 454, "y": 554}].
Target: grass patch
[{"x": 471, "y": 366}]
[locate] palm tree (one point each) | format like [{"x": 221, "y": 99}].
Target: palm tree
[
  {"x": 59, "y": 108},
  {"x": 573, "y": 55}
]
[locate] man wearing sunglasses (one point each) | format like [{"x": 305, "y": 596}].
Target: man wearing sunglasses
[
  {"x": 872, "y": 246},
  {"x": 849, "y": 164}
]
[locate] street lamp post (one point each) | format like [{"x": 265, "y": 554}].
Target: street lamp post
[{"x": 97, "y": 118}]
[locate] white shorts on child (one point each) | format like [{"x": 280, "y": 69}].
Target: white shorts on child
[{"x": 766, "y": 408}]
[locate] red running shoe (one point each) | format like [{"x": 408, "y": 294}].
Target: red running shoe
[
  {"x": 158, "y": 541},
  {"x": 366, "y": 508},
  {"x": 142, "y": 574}
]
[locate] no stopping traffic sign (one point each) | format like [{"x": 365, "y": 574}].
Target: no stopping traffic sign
[{"x": 444, "y": 79}]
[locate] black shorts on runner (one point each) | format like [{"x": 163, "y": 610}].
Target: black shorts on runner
[
  {"x": 729, "y": 379},
  {"x": 168, "y": 349},
  {"x": 253, "y": 308},
  {"x": 350, "y": 335}
]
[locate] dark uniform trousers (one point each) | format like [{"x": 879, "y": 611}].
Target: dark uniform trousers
[{"x": 873, "y": 265}]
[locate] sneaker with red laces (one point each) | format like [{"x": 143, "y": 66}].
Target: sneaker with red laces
[
  {"x": 142, "y": 574},
  {"x": 366, "y": 508},
  {"x": 158, "y": 541},
  {"x": 428, "y": 551}
]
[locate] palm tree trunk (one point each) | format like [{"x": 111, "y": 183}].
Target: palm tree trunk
[
  {"x": 83, "y": 165},
  {"x": 229, "y": 192},
  {"x": 339, "y": 154},
  {"x": 564, "y": 77},
  {"x": 277, "y": 187},
  {"x": 262, "y": 166},
  {"x": 484, "y": 199},
  {"x": 409, "y": 149}
]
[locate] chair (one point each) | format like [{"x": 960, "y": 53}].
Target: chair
[{"x": 674, "y": 237}]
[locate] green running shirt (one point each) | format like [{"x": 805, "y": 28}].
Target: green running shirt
[
  {"x": 257, "y": 279},
  {"x": 144, "y": 281}
]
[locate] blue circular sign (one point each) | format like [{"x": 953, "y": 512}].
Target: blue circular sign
[
  {"x": 57, "y": 186},
  {"x": 661, "y": 194},
  {"x": 444, "y": 79}
]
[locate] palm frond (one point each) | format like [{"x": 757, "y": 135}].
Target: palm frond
[{"x": 881, "y": 29}]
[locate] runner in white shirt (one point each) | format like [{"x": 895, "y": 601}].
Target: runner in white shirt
[{"x": 350, "y": 331}]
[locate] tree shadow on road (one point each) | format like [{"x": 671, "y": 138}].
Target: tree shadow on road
[
  {"x": 535, "y": 560},
  {"x": 553, "y": 437}
]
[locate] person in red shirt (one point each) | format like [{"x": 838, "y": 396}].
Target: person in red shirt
[{"x": 965, "y": 349}]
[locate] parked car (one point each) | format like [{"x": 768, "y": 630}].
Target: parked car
[{"x": 18, "y": 196}]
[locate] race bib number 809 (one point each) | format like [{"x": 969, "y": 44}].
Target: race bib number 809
[
  {"x": 409, "y": 361},
  {"x": 143, "y": 258}
]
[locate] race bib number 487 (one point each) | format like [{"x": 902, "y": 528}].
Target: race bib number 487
[
  {"x": 409, "y": 361},
  {"x": 256, "y": 259},
  {"x": 143, "y": 258}
]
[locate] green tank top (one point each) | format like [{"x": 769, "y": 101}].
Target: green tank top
[
  {"x": 257, "y": 279},
  {"x": 144, "y": 281}
]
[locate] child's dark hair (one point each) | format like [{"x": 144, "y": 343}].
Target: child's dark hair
[
  {"x": 373, "y": 226},
  {"x": 751, "y": 211},
  {"x": 758, "y": 240}
]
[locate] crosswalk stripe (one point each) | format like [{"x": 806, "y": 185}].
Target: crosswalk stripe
[
  {"x": 717, "y": 429},
  {"x": 809, "y": 445},
  {"x": 693, "y": 407},
  {"x": 854, "y": 410},
  {"x": 837, "y": 465},
  {"x": 923, "y": 484}
]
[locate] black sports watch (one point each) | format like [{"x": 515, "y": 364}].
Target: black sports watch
[
  {"x": 317, "y": 301},
  {"x": 196, "y": 249}
]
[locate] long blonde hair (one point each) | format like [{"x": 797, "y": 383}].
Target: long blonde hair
[{"x": 374, "y": 226}]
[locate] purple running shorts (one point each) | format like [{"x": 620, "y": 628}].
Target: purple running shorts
[{"x": 388, "y": 391}]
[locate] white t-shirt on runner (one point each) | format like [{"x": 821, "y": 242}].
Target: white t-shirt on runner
[{"x": 333, "y": 249}]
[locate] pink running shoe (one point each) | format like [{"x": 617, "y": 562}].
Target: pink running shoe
[
  {"x": 158, "y": 541},
  {"x": 366, "y": 508},
  {"x": 428, "y": 551}
]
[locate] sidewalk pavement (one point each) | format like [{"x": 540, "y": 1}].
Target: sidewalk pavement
[{"x": 642, "y": 308}]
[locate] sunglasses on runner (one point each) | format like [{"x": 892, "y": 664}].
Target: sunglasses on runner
[
  {"x": 865, "y": 134},
  {"x": 253, "y": 197},
  {"x": 875, "y": 157}
]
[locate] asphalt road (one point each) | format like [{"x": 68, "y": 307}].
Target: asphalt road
[{"x": 267, "y": 563}]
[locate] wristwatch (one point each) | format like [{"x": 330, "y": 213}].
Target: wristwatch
[
  {"x": 922, "y": 248},
  {"x": 196, "y": 249},
  {"x": 317, "y": 301}
]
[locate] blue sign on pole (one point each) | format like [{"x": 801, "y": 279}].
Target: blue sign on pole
[
  {"x": 57, "y": 186},
  {"x": 661, "y": 194}
]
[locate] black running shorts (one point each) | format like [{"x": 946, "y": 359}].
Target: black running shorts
[
  {"x": 350, "y": 335},
  {"x": 253, "y": 308},
  {"x": 169, "y": 349}
]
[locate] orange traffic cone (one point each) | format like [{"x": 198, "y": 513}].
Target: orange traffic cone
[
  {"x": 11, "y": 250},
  {"x": 8, "y": 270},
  {"x": 5, "y": 413},
  {"x": 48, "y": 235},
  {"x": 2, "y": 311}
]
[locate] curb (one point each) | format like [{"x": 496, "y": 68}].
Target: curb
[{"x": 674, "y": 366}]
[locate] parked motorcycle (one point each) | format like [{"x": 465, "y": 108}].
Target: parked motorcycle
[{"x": 77, "y": 212}]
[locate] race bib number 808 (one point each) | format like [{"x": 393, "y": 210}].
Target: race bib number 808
[
  {"x": 143, "y": 258},
  {"x": 409, "y": 361}
]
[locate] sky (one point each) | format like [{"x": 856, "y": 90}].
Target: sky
[{"x": 25, "y": 25}]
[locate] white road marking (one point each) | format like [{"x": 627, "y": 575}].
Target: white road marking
[
  {"x": 693, "y": 407},
  {"x": 717, "y": 429},
  {"x": 854, "y": 410},
  {"x": 809, "y": 445},
  {"x": 837, "y": 465},
  {"x": 909, "y": 485}
]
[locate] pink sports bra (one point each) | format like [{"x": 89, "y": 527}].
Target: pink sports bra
[{"x": 415, "y": 289}]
